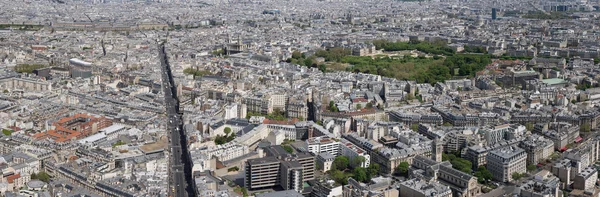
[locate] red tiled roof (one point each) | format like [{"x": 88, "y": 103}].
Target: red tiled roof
[
  {"x": 11, "y": 178},
  {"x": 360, "y": 100}
]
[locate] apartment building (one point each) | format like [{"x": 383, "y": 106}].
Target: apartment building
[
  {"x": 258, "y": 105},
  {"x": 297, "y": 108},
  {"x": 561, "y": 133},
  {"x": 562, "y": 169},
  {"x": 323, "y": 144},
  {"x": 325, "y": 161},
  {"x": 352, "y": 151},
  {"x": 422, "y": 188},
  {"x": 503, "y": 162},
  {"x": 477, "y": 154},
  {"x": 498, "y": 133},
  {"x": 461, "y": 184},
  {"x": 537, "y": 148},
  {"x": 586, "y": 179},
  {"x": 457, "y": 140},
  {"x": 543, "y": 185},
  {"x": 25, "y": 84}
]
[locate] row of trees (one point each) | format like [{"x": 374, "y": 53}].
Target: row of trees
[
  {"x": 420, "y": 69},
  {"x": 478, "y": 49},
  {"x": 300, "y": 59},
  {"x": 333, "y": 54},
  {"x": 196, "y": 72},
  {"x": 437, "y": 48},
  {"x": 546, "y": 15},
  {"x": 28, "y": 68},
  {"x": 42, "y": 176},
  {"x": 458, "y": 163}
]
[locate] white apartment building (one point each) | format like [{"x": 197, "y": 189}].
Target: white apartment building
[
  {"x": 503, "y": 162},
  {"x": 323, "y": 145},
  {"x": 230, "y": 111},
  {"x": 352, "y": 151},
  {"x": 586, "y": 180},
  {"x": 225, "y": 152}
]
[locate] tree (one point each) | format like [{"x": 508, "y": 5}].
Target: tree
[
  {"x": 227, "y": 130},
  {"x": 529, "y": 126},
  {"x": 402, "y": 169},
  {"x": 332, "y": 107},
  {"x": 244, "y": 191},
  {"x": 233, "y": 169},
  {"x": 516, "y": 176},
  {"x": 6, "y": 132},
  {"x": 338, "y": 176},
  {"x": 358, "y": 106},
  {"x": 357, "y": 161},
  {"x": 531, "y": 168},
  {"x": 118, "y": 143},
  {"x": 373, "y": 169},
  {"x": 296, "y": 55},
  {"x": 414, "y": 127},
  {"x": 289, "y": 149},
  {"x": 458, "y": 163},
  {"x": 369, "y": 105},
  {"x": 42, "y": 176},
  {"x": 360, "y": 174},
  {"x": 335, "y": 109},
  {"x": 483, "y": 175},
  {"x": 447, "y": 124},
  {"x": 462, "y": 165},
  {"x": 340, "y": 163},
  {"x": 585, "y": 127},
  {"x": 308, "y": 62},
  {"x": 322, "y": 67}
]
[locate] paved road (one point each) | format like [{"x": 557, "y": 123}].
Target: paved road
[{"x": 181, "y": 182}]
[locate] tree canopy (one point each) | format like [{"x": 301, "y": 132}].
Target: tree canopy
[
  {"x": 483, "y": 175},
  {"x": 340, "y": 163},
  {"x": 402, "y": 169},
  {"x": 458, "y": 163}
]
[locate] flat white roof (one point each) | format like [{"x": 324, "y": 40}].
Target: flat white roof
[
  {"x": 92, "y": 138},
  {"x": 80, "y": 62},
  {"x": 111, "y": 129}
]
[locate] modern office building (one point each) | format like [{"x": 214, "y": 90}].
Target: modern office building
[
  {"x": 323, "y": 144},
  {"x": 262, "y": 173},
  {"x": 279, "y": 168},
  {"x": 502, "y": 163}
]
